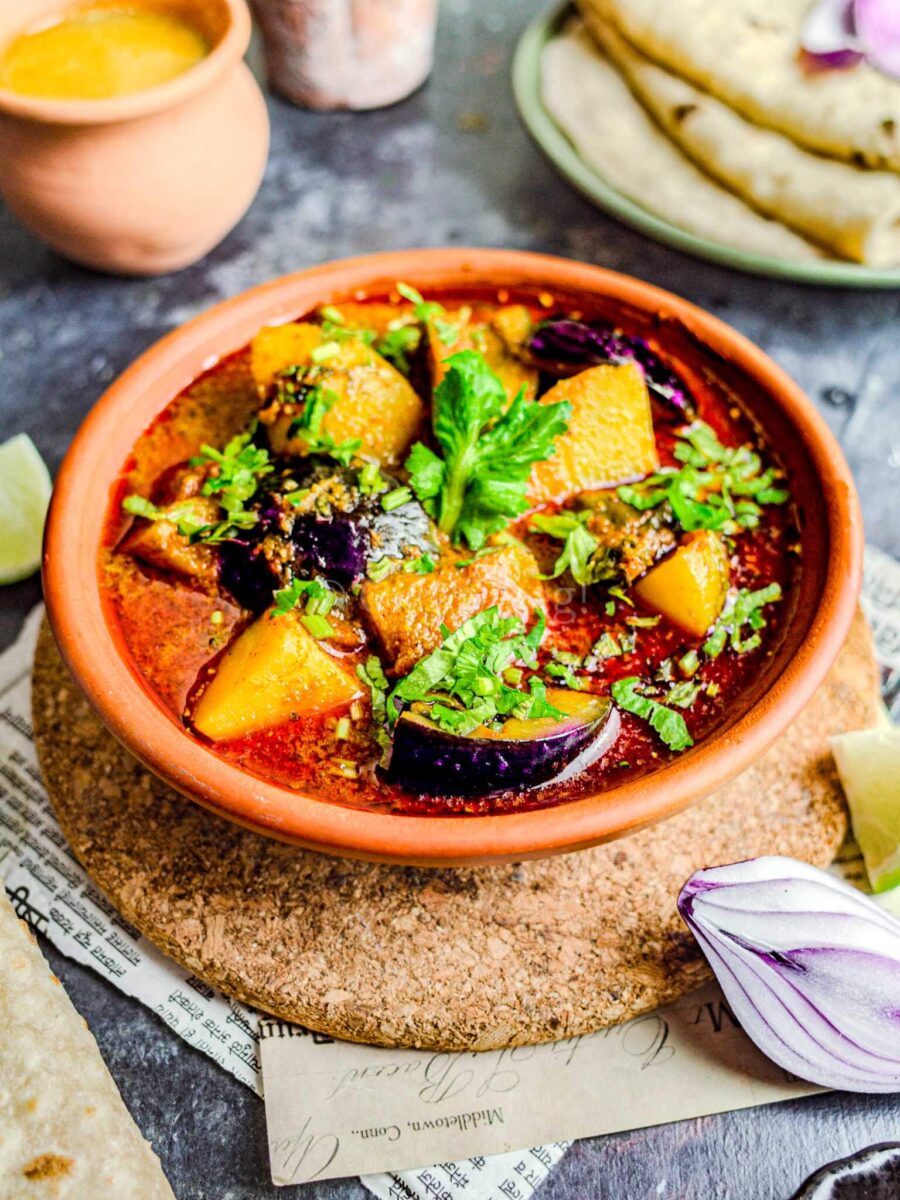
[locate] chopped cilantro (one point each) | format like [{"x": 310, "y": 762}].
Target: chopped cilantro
[
  {"x": 717, "y": 487},
  {"x": 429, "y": 310},
  {"x": 398, "y": 344},
  {"x": 396, "y": 499},
  {"x": 380, "y": 569},
  {"x": 689, "y": 664},
  {"x": 371, "y": 673},
  {"x": 294, "y": 387},
  {"x": 668, "y": 724},
  {"x": 423, "y": 565},
  {"x": 643, "y": 622},
  {"x": 683, "y": 694},
  {"x": 462, "y": 680},
  {"x": 370, "y": 480},
  {"x": 577, "y": 555},
  {"x": 479, "y": 483},
  {"x": 234, "y": 477},
  {"x": 565, "y": 673},
  {"x": 606, "y": 646},
  {"x": 620, "y": 594},
  {"x": 335, "y": 327},
  {"x": 319, "y": 598},
  {"x": 741, "y": 621},
  {"x": 319, "y": 627},
  {"x": 482, "y": 553},
  {"x": 325, "y": 351},
  {"x": 236, "y": 471}
]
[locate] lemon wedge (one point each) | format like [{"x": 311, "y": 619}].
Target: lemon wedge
[
  {"x": 25, "y": 488},
  {"x": 868, "y": 763}
]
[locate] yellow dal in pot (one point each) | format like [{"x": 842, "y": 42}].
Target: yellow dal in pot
[{"x": 98, "y": 53}]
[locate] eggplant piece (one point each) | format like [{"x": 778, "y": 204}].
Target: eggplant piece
[
  {"x": 564, "y": 347},
  {"x": 337, "y": 531},
  {"x": 429, "y": 761},
  {"x": 350, "y": 530}
]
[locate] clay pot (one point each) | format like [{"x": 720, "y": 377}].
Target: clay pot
[
  {"x": 143, "y": 183},
  {"x": 823, "y": 606},
  {"x": 347, "y": 53}
]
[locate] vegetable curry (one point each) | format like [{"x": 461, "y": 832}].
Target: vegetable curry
[{"x": 455, "y": 554}]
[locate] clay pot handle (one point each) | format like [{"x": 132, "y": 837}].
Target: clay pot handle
[{"x": 353, "y": 54}]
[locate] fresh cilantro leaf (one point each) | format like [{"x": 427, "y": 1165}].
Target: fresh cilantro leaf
[
  {"x": 667, "y": 723},
  {"x": 580, "y": 545},
  {"x": 479, "y": 484},
  {"x": 740, "y": 621}
]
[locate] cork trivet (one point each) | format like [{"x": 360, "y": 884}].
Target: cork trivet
[{"x": 444, "y": 959}]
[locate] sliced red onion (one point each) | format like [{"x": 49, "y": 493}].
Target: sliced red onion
[
  {"x": 829, "y": 28},
  {"x": 810, "y": 967},
  {"x": 878, "y": 29},
  {"x": 564, "y": 346}
]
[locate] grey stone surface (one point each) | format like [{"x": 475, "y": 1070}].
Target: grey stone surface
[{"x": 339, "y": 185}]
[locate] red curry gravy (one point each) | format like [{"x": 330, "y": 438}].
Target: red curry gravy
[{"x": 177, "y": 628}]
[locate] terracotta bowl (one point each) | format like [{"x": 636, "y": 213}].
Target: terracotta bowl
[
  {"x": 825, "y": 601},
  {"x": 143, "y": 183}
]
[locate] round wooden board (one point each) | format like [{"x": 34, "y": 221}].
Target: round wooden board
[{"x": 441, "y": 959}]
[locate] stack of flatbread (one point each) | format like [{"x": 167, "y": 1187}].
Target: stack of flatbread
[
  {"x": 705, "y": 114},
  {"x": 65, "y": 1133}
]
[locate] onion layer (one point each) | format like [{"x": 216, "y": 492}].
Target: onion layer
[{"x": 810, "y": 967}]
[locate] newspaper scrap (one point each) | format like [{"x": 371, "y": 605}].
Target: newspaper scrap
[
  {"x": 338, "y": 1110},
  {"x": 51, "y": 891},
  {"x": 881, "y": 603},
  {"x": 502, "y": 1176}
]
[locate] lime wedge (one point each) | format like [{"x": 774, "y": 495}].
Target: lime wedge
[
  {"x": 24, "y": 495},
  {"x": 868, "y": 763}
]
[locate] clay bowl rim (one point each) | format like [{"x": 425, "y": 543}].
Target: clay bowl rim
[
  {"x": 104, "y": 443},
  {"x": 228, "y": 50}
]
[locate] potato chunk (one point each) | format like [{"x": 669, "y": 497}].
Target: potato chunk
[
  {"x": 406, "y": 611},
  {"x": 271, "y": 672},
  {"x": 160, "y": 543},
  {"x": 610, "y": 436},
  {"x": 375, "y": 403},
  {"x": 691, "y": 585},
  {"x": 484, "y": 338}
]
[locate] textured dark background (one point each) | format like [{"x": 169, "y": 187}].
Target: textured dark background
[{"x": 450, "y": 166}]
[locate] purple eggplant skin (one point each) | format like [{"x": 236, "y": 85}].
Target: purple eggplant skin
[
  {"x": 564, "y": 346},
  {"x": 428, "y": 761},
  {"x": 339, "y": 540},
  {"x": 357, "y": 532}
]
